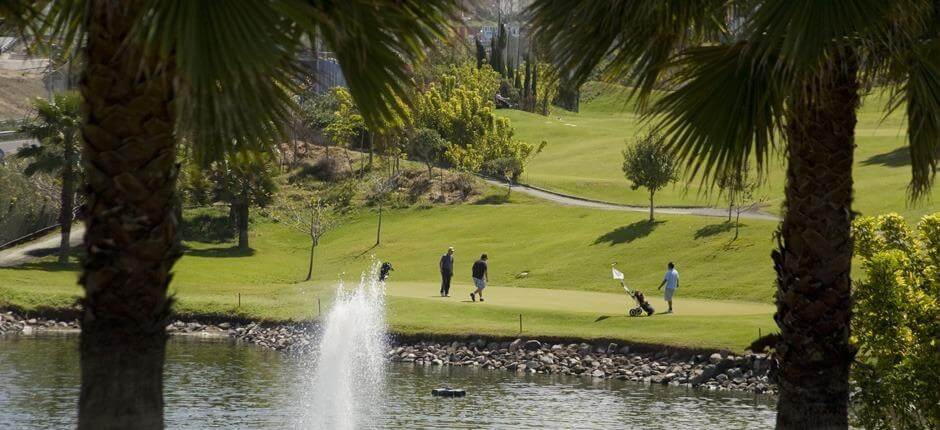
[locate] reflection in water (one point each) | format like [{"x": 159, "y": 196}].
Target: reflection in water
[{"x": 219, "y": 384}]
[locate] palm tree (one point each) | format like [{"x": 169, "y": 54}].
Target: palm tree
[
  {"x": 217, "y": 73},
  {"x": 56, "y": 127},
  {"x": 746, "y": 75}
]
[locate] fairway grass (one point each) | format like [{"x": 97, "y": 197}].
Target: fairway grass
[
  {"x": 549, "y": 263},
  {"x": 583, "y": 157}
]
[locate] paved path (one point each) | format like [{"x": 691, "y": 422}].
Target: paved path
[
  {"x": 22, "y": 254},
  {"x": 577, "y": 201},
  {"x": 9, "y": 147}
]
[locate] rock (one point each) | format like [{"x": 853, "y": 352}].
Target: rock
[
  {"x": 703, "y": 374},
  {"x": 715, "y": 358},
  {"x": 225, "y": 326},
  {"x": 611, "y": 348},
  {"x": 721, "y": 378},
  {"x": 31, "y": 321},
  {"x": 515, "y": 345},
  {"x": 598, "y": 373},
  {"x": 624, "y": 350},
  {"x": 532, "y": 345},
  {"x": 547, "y": 359},
  {"x": 531, "y": 364}
]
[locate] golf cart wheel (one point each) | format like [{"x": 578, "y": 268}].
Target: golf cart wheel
[{"x": 634, "y": 312}]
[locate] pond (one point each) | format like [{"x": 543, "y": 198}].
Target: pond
[{"x": 221, "y": 384}]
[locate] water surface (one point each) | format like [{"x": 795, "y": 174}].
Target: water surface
[{"x": 221, "y": 384}]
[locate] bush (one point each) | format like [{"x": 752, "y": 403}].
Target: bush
[
  {"x": 341, "y": 195},
  {"x": 896, "y": 323},
  {"x": 327, "y": 169}
]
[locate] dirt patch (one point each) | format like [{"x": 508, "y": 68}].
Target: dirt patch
[{"x": 17, "y": 88}]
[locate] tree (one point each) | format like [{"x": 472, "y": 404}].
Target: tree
[
  {"x": 769, "y": 72},
  {"x": 382, "y": 191},
  {"x": 427, "y": 145},
  {"x": 315, "y": 219},
  {"x": 511, "y": 168},
  {"x": 480, "y": 52},
  {"x": 346, "y": 122},
  {"x": 647, "y": 164},
  {"x": 154, "y": 73},
  {"x": 56, "y": 127},
  {"x": 740, "y": 189},
  {"x": 895, "y": 323},
  {"x": 244, "y": 179}
]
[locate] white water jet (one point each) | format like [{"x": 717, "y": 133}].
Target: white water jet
[{"x": 345, "y": 388}]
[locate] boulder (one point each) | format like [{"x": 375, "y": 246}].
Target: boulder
[
  {"x": 532, "y": 345},
  {"x": 704, "y": 374},
  {"x": 715, "y": 358},
  {"x": 598, "y": 373},
  {"x": 611, "y": 348},
  {"x": 515, "y": 345}
]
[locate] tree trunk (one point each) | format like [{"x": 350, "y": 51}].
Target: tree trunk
[
  {"x": 651, "y": 205},
  {"x": 378, "y": 233},
  {"x": 569, "y": 95},
  {"x": 313, "y": 246},
  {"x": 737, "y": 225},
  {"x": 813, "y": 260},
  {"x": 67, "y": 199},
  {"x": 241, "y": 214},
  {"x": 130, "y": 241}
]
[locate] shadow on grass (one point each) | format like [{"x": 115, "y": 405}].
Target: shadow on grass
[
  {"x": 227, "y": 252},
  {"x": 629, "y": 233},
  {"x": 713, "y": 229},
  {"x": 493, "y": 199},
  {"x": 49, "y": 266},
  {"x": 896, "y": 158}
]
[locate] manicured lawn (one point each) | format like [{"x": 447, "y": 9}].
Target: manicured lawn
[
  {"x": 566, "y": 253},
  {"x": 583, "y": 157}
]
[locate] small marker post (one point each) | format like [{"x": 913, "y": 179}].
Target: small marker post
[
  {"x": 319, "y": 311},
  {"x": 520, "y": 323},
  {"x": 239, "y": 300}
]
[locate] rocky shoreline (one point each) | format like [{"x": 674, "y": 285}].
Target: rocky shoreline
[{"x": 715, "y": 371}]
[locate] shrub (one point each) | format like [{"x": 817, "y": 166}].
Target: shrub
[{"x": 896, "y": 323}]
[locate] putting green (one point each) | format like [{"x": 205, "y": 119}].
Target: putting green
[{"x": 614, "y": 303}]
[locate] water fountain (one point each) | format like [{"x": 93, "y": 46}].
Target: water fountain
[{"x": 345, "y": 387}]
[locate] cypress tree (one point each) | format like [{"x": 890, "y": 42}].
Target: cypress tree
[{"x": 481, "y": 52}]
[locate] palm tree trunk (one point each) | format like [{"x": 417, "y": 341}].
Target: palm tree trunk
[
  {"x": 130, "y": 241},
  {"x": 241, "y": 215},
  {"x": 813, "y": 261},
  {"x": 67, "y": 199}
]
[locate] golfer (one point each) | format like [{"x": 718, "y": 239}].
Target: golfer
[
  {"x": 447, "y": 271},
  {"x": 480, "y": 277},
  {"x": 671, "y": 281}
]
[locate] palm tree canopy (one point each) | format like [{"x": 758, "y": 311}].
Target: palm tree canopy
[
  {"x": 733, "y": 67},
  {"x": 55, "y": 120},
  {"x": 238, "y": 62}
]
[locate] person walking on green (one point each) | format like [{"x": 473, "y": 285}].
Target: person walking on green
[
  {"x": 480, "y": 277},
  {"x": 447, "y": 271},
  {"x": 671, "y": 281}
]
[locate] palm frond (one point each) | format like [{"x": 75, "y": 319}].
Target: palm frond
[
  {"x": 726, "y": 109},
  {"x": 921, "y": 92},
  {"x": 632, "y": 39},
  {"x": 375, "y": 42},
  {"x": 799, "y": 34}
]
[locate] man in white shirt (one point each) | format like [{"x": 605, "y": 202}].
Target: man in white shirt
[{"x": 671, "y": 281}]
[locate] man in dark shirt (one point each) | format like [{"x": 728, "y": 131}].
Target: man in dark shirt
[
  {"x": 480, "y": 277},
  {"x": 447, "y": 271}
]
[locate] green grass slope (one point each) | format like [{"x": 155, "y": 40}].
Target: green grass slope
[
  {"x": 565, "y": 252},
  {"x": 583, "y": 156}
]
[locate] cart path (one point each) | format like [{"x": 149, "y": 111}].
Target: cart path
[
  {"x": 23, "y": 253},
  {"x": 570, "y": 200}
]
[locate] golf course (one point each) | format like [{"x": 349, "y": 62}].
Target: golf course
[
  {"x": 583, "y": 156},
  {"x": 549, "y": 263}
]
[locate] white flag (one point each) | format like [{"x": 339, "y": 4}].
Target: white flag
[{"x": 617, "y": 274}]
